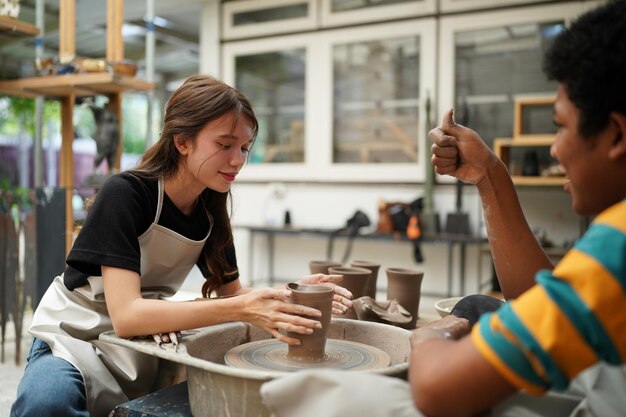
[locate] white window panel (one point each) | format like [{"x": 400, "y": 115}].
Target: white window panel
[
  {"x": 365, "y": 11},
  {"x": 318, "y": 125},
  {"x": 249, "y": 18},
  {"x": 484, "y": 30},
  {"x": 461, "y": 5}
]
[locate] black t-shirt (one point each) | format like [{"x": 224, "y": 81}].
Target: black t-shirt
[{"x": 124, "y": 208}]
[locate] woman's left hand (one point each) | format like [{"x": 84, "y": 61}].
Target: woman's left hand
[{"x": 342, "y": 300}]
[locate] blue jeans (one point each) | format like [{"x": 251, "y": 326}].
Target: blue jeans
[{"x": 50, "y": 386}]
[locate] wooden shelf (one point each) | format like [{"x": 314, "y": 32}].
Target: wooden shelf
[
  {"x": 538, "y": 181},
  {"x": 502, "y": 147},
  {"x": 59, "y": 86},
  {"x": 11, "y": 28}
]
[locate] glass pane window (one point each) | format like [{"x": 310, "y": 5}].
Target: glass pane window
[
  {"x": 274, "y": 82},
  {"x": 345, "y": 5},
  {"x": 376, "y": 97},
  {"x": 271, "y": 14},
  {"x": 495, "y": 65}
]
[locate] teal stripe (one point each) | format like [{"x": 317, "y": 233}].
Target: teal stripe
[
  {"x": 557, "y": 379},
  {"x": 581, "y": 317},
  {"x": 607, "y": 245},
  {"x": 509, "y": 353}
]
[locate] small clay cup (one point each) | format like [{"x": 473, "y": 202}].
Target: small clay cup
[
  {"x": 370, "y": 288},
  {"x": 312, "y": 346},
  {"x": 321, "y": 267},
  {"x": 405, "y": 285},
  {"x": 354, "y": 280}
]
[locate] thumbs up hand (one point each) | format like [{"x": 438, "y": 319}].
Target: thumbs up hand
[{"x": 459, "y": 151}]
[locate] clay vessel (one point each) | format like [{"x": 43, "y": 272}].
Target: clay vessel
[
  {"x": 354, "y": 280},
  {"x": 321, "y": 267},
  {"x": 320, "y": 297},
  {"x": 405, "y": 285},
  {"x": 370, "y": 288}
]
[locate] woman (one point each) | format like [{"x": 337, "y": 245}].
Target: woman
[{"x": 146, "y": 230}]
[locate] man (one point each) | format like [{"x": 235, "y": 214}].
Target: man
[{"x": 561, "y": 323}]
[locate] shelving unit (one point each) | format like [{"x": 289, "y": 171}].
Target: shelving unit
[
  {"x": 503, "y": 146},
  {"x": 66, "y": 88},
  {"x": 12, "y": 28}
]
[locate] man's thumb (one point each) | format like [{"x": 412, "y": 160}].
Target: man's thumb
[{"x": 448, "y": 119}]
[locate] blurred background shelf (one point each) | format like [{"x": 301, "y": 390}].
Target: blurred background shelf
[
  {"x": 11, "y": 28},
  {"x": 57, "y": 86}
]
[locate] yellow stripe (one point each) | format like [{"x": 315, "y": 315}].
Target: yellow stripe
[
  {"x": 553, "y": 331},
  {"x": 614, "y": 217},
  {"x": 600, "y": 291},
  {"x": 500, "y": 366},
  {"x": 497, "y": 326}
]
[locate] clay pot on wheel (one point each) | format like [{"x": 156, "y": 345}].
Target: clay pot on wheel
[
  {"x": 354, "y": 280},
  {"x": 320, "y": 297},
  {"x": 405, "y": 285}
]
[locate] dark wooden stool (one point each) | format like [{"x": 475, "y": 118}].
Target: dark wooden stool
[{"x": 171, "y": 402}]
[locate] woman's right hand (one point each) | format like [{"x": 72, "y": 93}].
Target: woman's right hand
[
  {"x": 460, "y": 152},
  {"x": 268, "y": 309}
]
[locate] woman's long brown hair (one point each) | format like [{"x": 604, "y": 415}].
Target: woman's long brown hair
[{"x": 200, "y": 100}]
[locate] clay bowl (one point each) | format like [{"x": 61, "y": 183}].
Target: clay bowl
[
  {"x": 445, "y": 306},
  {"x": 125, "y": 68}
]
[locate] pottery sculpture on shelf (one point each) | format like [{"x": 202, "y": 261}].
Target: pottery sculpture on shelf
[
  {"x": 370, "y": 288},
  {"x": 312, "y": 346},
  {"x": 405, "y": 285},
  {"x": 321, "y": 267},
  {"x": 387, "y": 312},
  {"x": 354, "y": 280}
]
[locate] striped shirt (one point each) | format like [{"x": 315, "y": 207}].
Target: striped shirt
[{"x": 574, "y": 317}]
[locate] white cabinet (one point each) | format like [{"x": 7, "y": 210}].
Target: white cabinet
[
  {"x": 340, "y": 86},
  {"x": 338, "y": 105}
]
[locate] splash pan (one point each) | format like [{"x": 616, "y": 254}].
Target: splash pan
[{"x": 216, "y": 389}]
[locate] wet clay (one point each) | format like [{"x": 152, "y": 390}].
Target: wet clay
[
  {"x": 370, "y": 287},
  {"x": 388, "y": 312},
  {"x": 312, "y": 346},
  {"x": 354, "y": 280},
  {"x": 271, "y": 354},
  {"x": 405, "y": 285}
]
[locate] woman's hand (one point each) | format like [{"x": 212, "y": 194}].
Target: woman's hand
[
  {"x": 342, "y": 299},
  {"x": 460, "y": 152},
  {"x": 449, "y": 327},
  {"x": 268, "y": 309}
]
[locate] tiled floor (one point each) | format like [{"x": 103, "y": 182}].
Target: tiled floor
[{"x": 11, "y": 373}]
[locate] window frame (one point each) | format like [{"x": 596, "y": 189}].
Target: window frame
[
  {"x": 318, "y": 165},
  {"x": 232, "y": 32},
  {"x": 416, "y": 8}
]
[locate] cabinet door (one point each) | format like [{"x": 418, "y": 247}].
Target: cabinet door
[
  {"x": 338, "y": 105},
  {"x": 489, "y": 59}
]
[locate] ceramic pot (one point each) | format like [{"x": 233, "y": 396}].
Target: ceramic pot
[
  {"x": 320, "y": 297},
  {"x": 321, "y": 267},
  {"x": 354, "y": 280},
  {"x": 370, "y": 288},
  {"x": 405, "y": 285}
]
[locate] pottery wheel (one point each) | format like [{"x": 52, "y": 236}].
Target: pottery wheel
[{"x": 271, "y": 354}]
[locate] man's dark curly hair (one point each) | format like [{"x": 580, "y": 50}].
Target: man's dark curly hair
[{"x": 589, "y": 58}]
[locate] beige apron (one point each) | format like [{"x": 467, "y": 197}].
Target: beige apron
[{"x": 70, "y": 321}]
